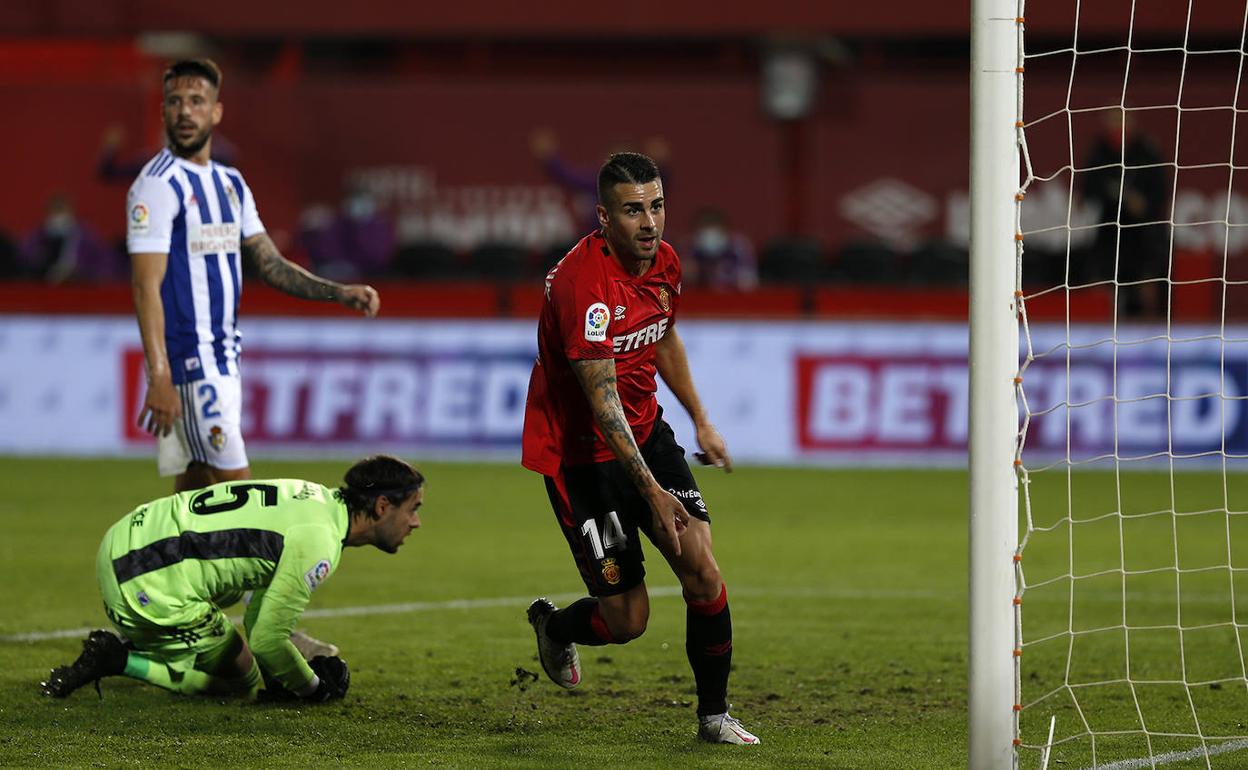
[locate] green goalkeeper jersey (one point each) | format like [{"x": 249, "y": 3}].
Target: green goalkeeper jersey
[{"x": 280, "y": 538}]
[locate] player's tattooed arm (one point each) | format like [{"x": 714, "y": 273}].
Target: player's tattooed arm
[
  {"x": 287, "y": 277},
  {"x": 597, "y": 378},
  {"x": 598, "y": 381},
  {"x": 284, "y": 275}
]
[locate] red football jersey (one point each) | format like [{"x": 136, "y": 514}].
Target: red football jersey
[{"x": 595, "y": 309}]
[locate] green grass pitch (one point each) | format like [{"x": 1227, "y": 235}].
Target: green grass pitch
[{"x": 848, "y": 591}]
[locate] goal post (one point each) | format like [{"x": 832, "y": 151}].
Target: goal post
[
  {"x": 994, "y": 174},
  {"x": 1108, "y": 457}
]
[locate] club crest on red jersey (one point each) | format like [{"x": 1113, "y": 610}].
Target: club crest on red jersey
[
  {"x": 610, "y": 571},
  {"x": 665, "y": 299}
]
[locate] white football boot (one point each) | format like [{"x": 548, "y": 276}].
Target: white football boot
[
  {"x": 561, "y": 663},
  {"x": 722, "y": 728}
]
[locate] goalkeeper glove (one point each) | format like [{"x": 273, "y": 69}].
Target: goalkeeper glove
[{"x": 334, "y": 677}]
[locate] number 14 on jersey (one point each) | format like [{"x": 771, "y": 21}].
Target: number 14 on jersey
[{"x": 612, "y": 534}]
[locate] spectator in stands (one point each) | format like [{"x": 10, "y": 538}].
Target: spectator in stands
[
  {"x": 10, "y": 260},
  {"x": 64, "y": 249},
  {"x": 719, "y": 257},
  {"x": 355, "y": 242},
  {"x": 1123, "y": 159}
]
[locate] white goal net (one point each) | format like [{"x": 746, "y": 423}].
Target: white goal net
[{"x": 1131, "y": 604}]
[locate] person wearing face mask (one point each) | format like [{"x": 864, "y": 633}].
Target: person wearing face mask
[
  {"x": 64, "y": 249},
  {"x": 353, "y": 243},
  {"x": 720, "y": 258}
]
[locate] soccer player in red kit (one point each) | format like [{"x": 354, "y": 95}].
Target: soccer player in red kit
[{"x": 612, "y": 466}]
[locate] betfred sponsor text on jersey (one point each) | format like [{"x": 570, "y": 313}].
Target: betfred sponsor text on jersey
[{"x": 647, "y": 335}]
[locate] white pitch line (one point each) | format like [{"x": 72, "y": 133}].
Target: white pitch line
[
  {"x": 1174, "y": 756},
  {"x": 40, "y": 636},
  {"x": 374, "y": 609},
  {"x": 523, "y": 601}
]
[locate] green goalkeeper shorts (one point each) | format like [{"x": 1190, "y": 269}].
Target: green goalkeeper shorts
[{"x": 199, "y": 638}]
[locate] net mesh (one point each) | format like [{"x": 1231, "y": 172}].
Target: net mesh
[{"x": 1132, "y": 217}]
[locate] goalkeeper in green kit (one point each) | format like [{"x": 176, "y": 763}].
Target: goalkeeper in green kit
[{"x": 169, "y": 568}]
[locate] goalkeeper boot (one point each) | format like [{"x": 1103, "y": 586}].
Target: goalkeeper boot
[
  {"x": 310, "y": 647},
  {"x": 722, "y": 728},
  {"x": 560, "y": 661},
  {"x": 103, "y": 654}
]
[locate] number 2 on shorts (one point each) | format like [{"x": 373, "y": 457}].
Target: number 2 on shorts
[
  {"x": 612, "y": 534},
  {"x": 207, "y": 389}
]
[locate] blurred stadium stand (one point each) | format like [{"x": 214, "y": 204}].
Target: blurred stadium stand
[
  {"x": 793, "y": 260},
  {"x": 502, "y": 262},
  {"x": 863, "y": 184},
  {"x": 10, "y": 267},
  {"x": 868, "y": 261},
  {"x": 426, "y": 261}
]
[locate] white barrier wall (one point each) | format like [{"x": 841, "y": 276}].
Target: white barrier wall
[{"x": 782, "y": 392}]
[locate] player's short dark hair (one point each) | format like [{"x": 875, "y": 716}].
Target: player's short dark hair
[
  {"x": 624, "y": 168},
  {"x": 377, "y": 476},
  {"x": 195, "y": 68}
]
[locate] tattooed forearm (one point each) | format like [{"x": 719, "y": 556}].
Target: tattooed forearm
[
  {"x": 284, "y": 275},
  {"x": 597, "y": 379}
]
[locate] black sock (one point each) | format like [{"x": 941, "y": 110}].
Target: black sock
[
  {"x": 708, "y": 643},
  {"x": 580, "y": 623}
]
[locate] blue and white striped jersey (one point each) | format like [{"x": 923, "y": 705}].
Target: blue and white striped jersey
[{"x": 199, "y": 216}]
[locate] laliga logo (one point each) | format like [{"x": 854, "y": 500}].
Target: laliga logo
[
  {"x": 596, "y": 322},
  {"x": 138, "y": 213},
  {"x": 315, "y": 576},
  {"x": 598, "y": 317}
]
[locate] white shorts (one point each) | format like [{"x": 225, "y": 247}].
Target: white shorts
[{"x": 210, "y": 430}]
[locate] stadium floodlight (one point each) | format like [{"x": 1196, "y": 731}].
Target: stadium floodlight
[{"x": 1111, "y": 633}]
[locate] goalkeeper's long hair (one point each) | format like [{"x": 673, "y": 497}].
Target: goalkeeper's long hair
[{"x": 377, "y": 476}]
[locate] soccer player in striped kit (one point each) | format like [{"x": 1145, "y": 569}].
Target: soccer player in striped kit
[{"x": 190, "y": 221}]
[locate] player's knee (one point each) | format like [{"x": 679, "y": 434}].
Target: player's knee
[
  {"x": 196, "y": 476},
  {"x": 627, "y": 625},
  {"x": 627, "y": 630},
  {"x": 704, "y": 584}
]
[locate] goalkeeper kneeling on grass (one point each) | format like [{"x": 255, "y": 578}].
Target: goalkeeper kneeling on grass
[{"x": 168, "y": 569}]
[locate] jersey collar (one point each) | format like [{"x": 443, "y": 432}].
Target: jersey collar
[{"x": 599, "y": 247}]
